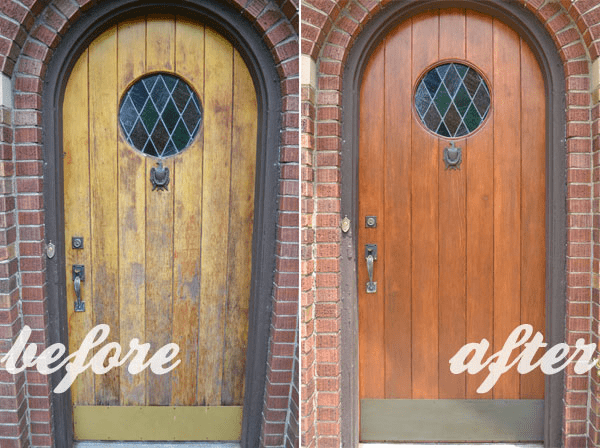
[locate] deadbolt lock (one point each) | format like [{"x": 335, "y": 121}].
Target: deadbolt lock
[
  {"x": 371, "y": 222},
  {"x": 77, "y": 242}
]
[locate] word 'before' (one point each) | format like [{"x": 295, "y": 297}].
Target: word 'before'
[
  {"x": 498, "y": 363},
  {"x": 105, "y": 359}
]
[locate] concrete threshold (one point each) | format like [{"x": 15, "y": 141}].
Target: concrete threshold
[
  {"x": 451, "y": 445},
  {"x": 157, "y": 445}
]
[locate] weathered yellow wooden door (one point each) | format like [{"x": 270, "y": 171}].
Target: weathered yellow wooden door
[{"x": 164, "y": 262}]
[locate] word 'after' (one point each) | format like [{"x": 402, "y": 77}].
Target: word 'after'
[
  {"x": 554, "y": 360},
  {"x": 105, "y": 359}
]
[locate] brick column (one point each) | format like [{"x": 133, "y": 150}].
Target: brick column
[
  {"x": 594, "y": 399},
  {"x": 280, "y": 421},
  {"x": 13, "y": 402},
  {"x": 30, "y": 206},
  {"x": 281, "y": 394},
  {"x": 307, "y": 320}
]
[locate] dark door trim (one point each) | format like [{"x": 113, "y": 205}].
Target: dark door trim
[
  {"x": 230, "y": 23},
  {"x": 533, "y": 32}
]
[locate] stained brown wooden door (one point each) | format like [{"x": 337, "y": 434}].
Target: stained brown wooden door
[
  {"x": 162, "y": 265},
  {"x": 461, "y": 253}
]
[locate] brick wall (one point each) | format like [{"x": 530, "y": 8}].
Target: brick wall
[
  {"x": 595, "y": 380},
  {"x": 329, "y": 28},
  {"x": 13, "y": 389},
  {"x": 307, "y": 302},
  {"x": 29, "y": 32},
  {"x": 280, "y": 423}
]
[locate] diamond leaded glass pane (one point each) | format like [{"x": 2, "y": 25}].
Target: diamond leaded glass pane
[
  {"x": 452, "y": 100},
  {"x": 160, "y": 115}
]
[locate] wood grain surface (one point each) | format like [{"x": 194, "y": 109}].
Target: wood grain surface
[
  {"x": 162, "y": 266},
  {"x": 461, "y": 253}
]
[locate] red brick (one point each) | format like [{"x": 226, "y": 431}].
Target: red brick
[
  {"x": 17, "y": 12},
  {"x": 41, "y": 440},
  {"x": 278, "y": 33},
  {"x": 68, "y": 8},
  {"x": 567, "y": 36},
  {"x": 558, "y": 23},
  {"x": 8, "y": 28},
  {"x": 46, "y": 35},
  {"x": 286, "y": 51},
  {"x": 29, "y": 185},
  {"x": 576, "y": 68},
  {"x": 29, "y": 168},
  {"x": 573, "y": 51},
  {"x": 31, "y": 202},
  {"x": 54, "y": 20},
  {"x": 268, "y": 18},
  {"x": 28, "y": 135},
  {"x": 36, "y": 50},
  {"x": 33, "y": 152}
]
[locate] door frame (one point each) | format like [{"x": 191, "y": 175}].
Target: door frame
[
  {"x": 239, "y": 31},
  {"x": 534, "y": 33}
]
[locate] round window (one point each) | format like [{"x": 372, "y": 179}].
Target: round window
[
  {"x": 160, "y": 115},
  {"x": 452, "y": 100}
]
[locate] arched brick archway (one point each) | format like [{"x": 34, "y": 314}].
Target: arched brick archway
[
  {"x": 30, "y": 33},
  {"x": 330, "y": 31}
]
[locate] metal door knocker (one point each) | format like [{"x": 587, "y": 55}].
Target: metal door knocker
[
  {"x": 452, "y": 157},
  {"x": 159, "y": 177}
]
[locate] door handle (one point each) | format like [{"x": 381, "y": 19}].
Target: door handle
[
  {"x": 371, "y": 256},
  {"x": 78, "y": 277}
]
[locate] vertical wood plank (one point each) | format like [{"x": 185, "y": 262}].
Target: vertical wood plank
[
  {"x": 424, "y": 225},
  {"x": 159, "y": 273},
  {"x": 480, "y": 204},
  {"x": 533, "y": 197},
  {"x": 241, "y": 220},
  {"x": 77, "y": 216},
  {"x": 160, "y": 54},
  {"x": 160, "y": 43},
  {"x": 104, "y": 197},
  {"x": 131, "y": 37},
  {"x": 189, "y": 63},
  {"x": 507, "y": 197},
  {"x": 396, "y": 257},
  {"x": 452, "y": 34},
  {"x": 452, "y": 231},
  {"x": 370, "y": 306},
  {"x": 215, "y": 215}
]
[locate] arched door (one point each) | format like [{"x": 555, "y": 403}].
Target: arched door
[
  {"x": 452, "y": 194},
  {"x": 159, "y": 142}
]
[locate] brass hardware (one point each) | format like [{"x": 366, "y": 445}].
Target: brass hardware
[
  {"x": 345, "y": 224},
  {"x": 371, "y": 256},
  {"x": 371, "y": 222},
  {"x": 50, "y": 250},
  {"x": 78, "y": 277},
  {"x": 185, "y": 422},
  {"x": 452, "y": 157},
  {"x": 77, "y": 242}
]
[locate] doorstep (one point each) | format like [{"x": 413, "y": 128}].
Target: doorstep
[
  {"x": 156, "y": 445},
  {"x": 451, "y": 445}
]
